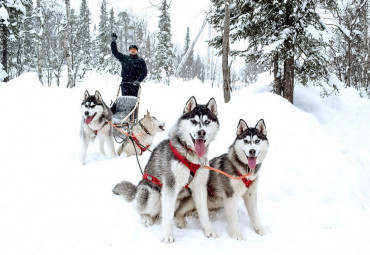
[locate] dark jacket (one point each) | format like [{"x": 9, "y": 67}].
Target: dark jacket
[{"x": 133, "y": 67}]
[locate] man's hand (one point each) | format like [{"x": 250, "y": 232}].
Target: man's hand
[
  {"x": 136, "y": 83},
  {"x": 114, "y": 37}
]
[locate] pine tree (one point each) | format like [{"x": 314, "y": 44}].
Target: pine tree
[
  {"x": 164, "y": 49},
  {"x": 187, "y": 71},
  {"x": 103, "y": 35},
  {"x": 30, "y": 39},
  {"x": 111, "y": 63},
  {"x": 290, "y": 34},
  {"x": 10, "y": 12},
  {"x": 84, "y": 35}
]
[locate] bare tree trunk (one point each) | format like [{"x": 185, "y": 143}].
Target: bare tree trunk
[
  {"x": 277, "y": 76},
  {"x": 288, "y": 87},
  {"x": 225, "y": 52},
  {"x": 208, "y": 67},
  {"x": 349, "y": 64},
  {"x": 39, "y": 43},
  {"x": 191, "y": 47},
  {"x": 67, "y": 49},
  {"x": 5, "y": 51}
]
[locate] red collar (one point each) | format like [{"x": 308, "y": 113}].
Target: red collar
[
  {"x": 142, "y": 148},
  {"x": 96, "y": 132},
  {"x": 192, "y": 167},
  {"x": 245, "y": 180}
]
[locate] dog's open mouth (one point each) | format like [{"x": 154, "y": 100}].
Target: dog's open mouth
[
  {"x": 89, "y": 119},
  {"x": 199, "y": 146},
  {"x": 162, "y": 127},
  {"x": 252, "y": 162}
]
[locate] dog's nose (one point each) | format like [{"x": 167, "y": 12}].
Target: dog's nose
[
  {"x": 87, "y": 113},
  {"x": 252, "y": 152},
  {"x": 201, "y": 133}
]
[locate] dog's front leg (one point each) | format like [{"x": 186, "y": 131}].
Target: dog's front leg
[
  {"x": 250, "y": 200},
  {"x": 231, "y": 205},
  {"x": 184, "y": 208},
  {"x": 199, "y": 194},
  {"x": 169, "y": 195},
  {"x": 101, "y": 145},
  {"x": 110, "y": 143},
  {"x": 84, "y": 146}
]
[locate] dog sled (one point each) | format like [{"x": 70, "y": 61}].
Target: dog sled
[{"x": 125, "y": 114}]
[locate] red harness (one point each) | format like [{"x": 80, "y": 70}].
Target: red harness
[
  {"x": 191, "y": 166},
  {"x": 247, "y": 182},
  {"x": 142, "y": 148}
]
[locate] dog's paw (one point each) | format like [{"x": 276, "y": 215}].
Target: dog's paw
[
  {"x": 210, "y": 233},
  {"x": 237, "y": 236},
  {"x": 261, "y": 230},
  {"x": 192, "y": 214},
  {"x": 168, "y": 239},
  {"x": 147, "y": 220},
  {"x": 180, "y": 222}
]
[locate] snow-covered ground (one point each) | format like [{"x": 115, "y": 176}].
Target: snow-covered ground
[{"x": 314, "y": 190}]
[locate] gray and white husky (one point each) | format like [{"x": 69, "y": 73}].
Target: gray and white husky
[
  {"x": 93, "y": 124},
  {"x": 175, "y": 166},
  {"x": 144, "y": 131},
  {"x": 245, "y": 156}
]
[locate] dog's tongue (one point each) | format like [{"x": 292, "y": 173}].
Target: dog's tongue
[
  {"x": 89, "y": 119},
  {"x": 252, "y": 162},
  {"x": 200, "y": 147}
]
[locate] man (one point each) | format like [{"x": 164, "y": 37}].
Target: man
[{"x": 133, "y": 68}]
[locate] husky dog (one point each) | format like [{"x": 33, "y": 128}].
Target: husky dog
[
  {"x": 94, "y": 115},
  {"x": 245, "y": 156},
  {"x": 175, "y": 166},
  {"x": 145, "y": 130}
]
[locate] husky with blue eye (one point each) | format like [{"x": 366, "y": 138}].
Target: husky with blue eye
[
  {"x": 245, "y": 156},
  {"x": 95, "y": 114},
  {"x": 176, "y": 170}
]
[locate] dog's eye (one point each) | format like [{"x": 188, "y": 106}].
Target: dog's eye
[
  {"x": 207, "y": 122},
  {"x": 92, "y": 106},
  {"x": 257, "y": 141},
  {"x": 246, "y": 141},
  {"x": 194, "y": 122}
]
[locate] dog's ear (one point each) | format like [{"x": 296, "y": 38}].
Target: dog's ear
[
  {"x": 190, "y": 105},
  {"x": 260, "y": 126},
  {"x": 98, "y": 96},
  {"x": 86, "y": 95},
  {"x": 212, "y": 106},
  {"x": 242, "y": 126}
]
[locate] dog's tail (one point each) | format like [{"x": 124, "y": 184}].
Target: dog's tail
[{"x": 126, "y": 189}]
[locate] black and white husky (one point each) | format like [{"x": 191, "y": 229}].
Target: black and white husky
[
  {"x": 174, "y": 168},
  {"x": 93, "y": 124},
  {"x": 245, "y": 156}
]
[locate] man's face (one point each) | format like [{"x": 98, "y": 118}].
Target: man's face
[{"x": 133, "y": 51}]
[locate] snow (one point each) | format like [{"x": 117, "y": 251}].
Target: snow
[
  {"x": 3, "y": 74},
  {"x": 314, "y": 185},
  {"x": 4, "y": 15}
]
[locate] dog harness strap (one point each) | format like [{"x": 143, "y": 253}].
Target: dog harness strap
[
  {"x": 192, "y": 167},
  {"x": 152, "y": 179},
  {"x": 245, "y": 180},
  {"x": 142, "y": 148}
]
